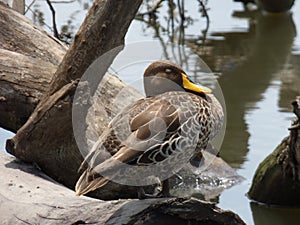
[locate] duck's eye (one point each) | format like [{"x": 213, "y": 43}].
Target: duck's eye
[{"x": 168, "y": 70}]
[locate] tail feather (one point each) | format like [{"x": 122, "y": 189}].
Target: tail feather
[
  {"x": 84, "y": 186},
  {"x": 91, "y": 178}
]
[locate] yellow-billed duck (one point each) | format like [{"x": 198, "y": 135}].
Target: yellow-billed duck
[{"x": 155, "y": 136}]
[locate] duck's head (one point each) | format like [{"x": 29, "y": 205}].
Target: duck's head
[{"x": 163, "y": 76}]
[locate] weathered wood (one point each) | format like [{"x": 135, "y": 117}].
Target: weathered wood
[
  {"x": 19, "y": 34},
  {"x": 28, "y": 59},
  {"x": 27, "y": 68},
  {"x": 25, "y": 80},
  {"x": 277, "y": 179},
  {"x": 19, "y": 96},
  {"x": 102, "y": 31},
  {"x": 95, "y": 37},
  {"x": 40, "y": 139},
  {"x": 18, "y": 5},
  {"x": 59, "y": 156},
  {"x": 29, "y": 196}
]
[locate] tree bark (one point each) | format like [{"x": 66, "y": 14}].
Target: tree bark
[
  {"x": 18, "y": 5},
  {"x": 28, "y": 59},
  {"x": 102, "y": 31},
  {"x": 27, "y": 196}
]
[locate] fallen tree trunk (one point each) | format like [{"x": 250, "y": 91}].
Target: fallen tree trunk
[
  {"x": 277, "y": 179},
  {"x": 47, "y": 137},
  {"x": 27, "y": 65},
  {"x": 28, "y": 59},
  {"x": 29, "y": 196}
]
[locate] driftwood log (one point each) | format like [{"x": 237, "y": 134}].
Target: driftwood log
[
  {"x": 28, "y": 59},
  {"x": 40, "y": 139},
  {"x": 277, "y": 179},
  {"x": 28, "y": 196}
]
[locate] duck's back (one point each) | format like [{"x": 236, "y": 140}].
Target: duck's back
[{"x": 156, "y": 127}]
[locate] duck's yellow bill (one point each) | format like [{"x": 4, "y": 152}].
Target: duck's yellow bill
[{"x": 189, "y": 85}]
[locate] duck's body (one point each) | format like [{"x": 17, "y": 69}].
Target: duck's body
[{"x": 155, "y": 136}]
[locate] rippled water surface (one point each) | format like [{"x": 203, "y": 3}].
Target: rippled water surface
[{"x": 256, "y": 61}]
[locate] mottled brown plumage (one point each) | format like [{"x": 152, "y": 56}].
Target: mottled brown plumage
[{"x": 154, "y": 136}]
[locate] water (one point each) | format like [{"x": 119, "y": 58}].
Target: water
[
  {"x": 260, "y": 143},
  {"x": 256, "y": 60}
]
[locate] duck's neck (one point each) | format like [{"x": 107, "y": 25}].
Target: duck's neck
[
  {"x": 198, "y": 94},
  {"x": 156, "y": 92}
]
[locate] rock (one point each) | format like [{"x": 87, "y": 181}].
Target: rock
[{"x": 277, "y": 179}]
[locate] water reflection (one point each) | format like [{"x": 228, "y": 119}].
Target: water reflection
[
  {"x": 248, "y": 61},
  {"x": 263, "y": 215},
  {"x": 290, "y": 79},
  {"x": 40, "y": 11},
  {"x": 169, "y": 21}
]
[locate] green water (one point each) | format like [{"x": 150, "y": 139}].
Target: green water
[{"x": 256, "y": 60}]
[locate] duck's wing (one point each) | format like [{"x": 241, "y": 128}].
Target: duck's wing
[{"x": 136, "y": 130}]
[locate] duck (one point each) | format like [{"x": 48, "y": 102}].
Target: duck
[{"x": 153, "y": 138}]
